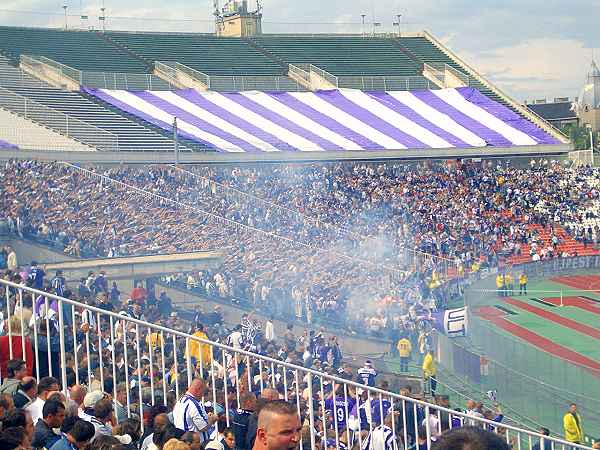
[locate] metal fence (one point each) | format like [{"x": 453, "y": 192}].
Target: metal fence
[
  {"x": 257, "y": 83},
  {"x": 57, "y": 121},
  {"x": 387, "y": 83},
  {"x": 99, "y": 80},
  {"x": 64, "y": 333}
]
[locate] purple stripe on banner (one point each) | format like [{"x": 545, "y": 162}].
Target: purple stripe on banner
[
  {"x": 200, "y": 101},
  {"x": 246, "y": 101},
  {"x": 326, "y": 121},
  {"x": 131, "y": 110},
  {"x": 169, "y": 108},
  {"x": 396, "y": 105},
  {"x": 506, "y": 115},
  {"x": 490, "y": 136},
  {"x": 365, "y": 116},
  {"x": 7, "y": 145}
]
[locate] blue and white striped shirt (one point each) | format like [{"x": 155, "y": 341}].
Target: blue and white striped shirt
[
  {"x": 189, "y": 415},
  {"x": 381, "y": 438}
]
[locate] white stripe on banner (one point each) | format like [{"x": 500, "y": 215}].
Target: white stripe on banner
[
  {"x": 454, "y": 99},
  {"x": 438, "y": 118},
  {"x": 324, "y": 107},
  {"x": 257, "y": 120},
  {"x": 153, "y": 111},
  {"x": 395, "y": 119},
  {"x": 301, "y": 120},
  {"x": 216, "y": 121}
]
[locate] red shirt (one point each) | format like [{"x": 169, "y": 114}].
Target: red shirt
[
  {"x": 139, "y": 295},
  {"x": 17, "y": 349}
]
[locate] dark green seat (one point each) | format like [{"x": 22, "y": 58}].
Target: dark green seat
[{"x": 83, "y": 50}]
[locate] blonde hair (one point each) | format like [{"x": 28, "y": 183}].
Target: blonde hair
[
  {"x": 14, "y": 325},
  {"x": 175, "y": 444}
]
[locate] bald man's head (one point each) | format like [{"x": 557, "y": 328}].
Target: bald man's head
[
  {"x": 269, "y": 394},
  {"x": 78, "y": 393},
  {"x": 198, "y": 388}
]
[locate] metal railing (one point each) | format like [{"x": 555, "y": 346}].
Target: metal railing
[
  {"x": 385, "y": 83},
  {"x": 98, "y": 79},
  {"x": 330, "y": 78},
  {"x": 174, "y": 69},
  {"x": 443, "y": 69},
  {"x": 301, "y": 72},
  {"x": 127, "y": 81},
  {"x": 63, "y": 331},
  {"x": 256, "y": 83},
  {"x": 58, "y": 121}
]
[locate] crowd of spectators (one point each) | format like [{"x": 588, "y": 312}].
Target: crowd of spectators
[
  {"x": 126, "y": 387},
  {"x": 82, "y": 216}
]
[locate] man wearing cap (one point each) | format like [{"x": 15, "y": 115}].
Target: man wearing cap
[
  {"x": 89, "y": 402},
  {"x": 367, "y": 374}
]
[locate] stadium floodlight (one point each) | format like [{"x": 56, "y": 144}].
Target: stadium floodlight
[
  {"x": 65, "y": 8},
  {"x": 362, "y": 28}
]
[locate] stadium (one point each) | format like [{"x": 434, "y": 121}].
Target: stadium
[{"x": 207, "y": 237}]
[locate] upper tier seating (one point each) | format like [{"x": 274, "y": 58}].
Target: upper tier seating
[
  {"x": 343, "y": 56},
  {"x": 83, "y": 50},
  {"x": 208, "y": 54}
]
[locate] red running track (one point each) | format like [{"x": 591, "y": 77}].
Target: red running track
[
  {"x": 560, "y": 320},
  {"x": 585, "y": 282},
  {"x": 497, "y": 318}
]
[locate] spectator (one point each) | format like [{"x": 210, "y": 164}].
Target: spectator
[
  {"x": 77, "y": 437},
  {"x": 189, "y": 413},
  {"x": 279, "y": 427},
  {"x": 430, "y": 371},
  {"x": 46, "y": 387},
  {"x": 15, "y": 341},
  {"x": 547, "y": 445},
  {"x": 573, "y": 425},
  {"x": 19, "y": 418},
  {"x": 26, "y": 392},
  {"x": 53, "y": 416},
  {"x": 14, "y": 438},
  {"x": 404, "y": 351},
  {"x": 16, "y": 370},
  {"x": 241, "y": 417},
  {"x": 103, "y": 417},
  {"x": 200, "y": 353},
  {"x": 367, "y": 374},
  {"x": 469, "y": 438}
]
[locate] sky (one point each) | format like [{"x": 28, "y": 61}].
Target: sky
[{"x": 531, "y": 49}]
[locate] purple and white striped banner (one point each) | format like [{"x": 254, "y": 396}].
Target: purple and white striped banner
[{"x": 344, "y": 119}]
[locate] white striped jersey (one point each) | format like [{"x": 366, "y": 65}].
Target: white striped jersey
[{"x": 380, "y": 438}]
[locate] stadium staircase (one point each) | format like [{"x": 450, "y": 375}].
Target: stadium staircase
[
  {"x": 206, "y": 53},
  {"x": 566, "y": 244},
  {"x": 29, "y": 135}
]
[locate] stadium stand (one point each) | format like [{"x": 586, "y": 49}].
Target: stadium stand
[
  {"x": 131, "y": 134},
  {"x": 205, "y": 53},
  {"x": 83, "y": 50}
]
